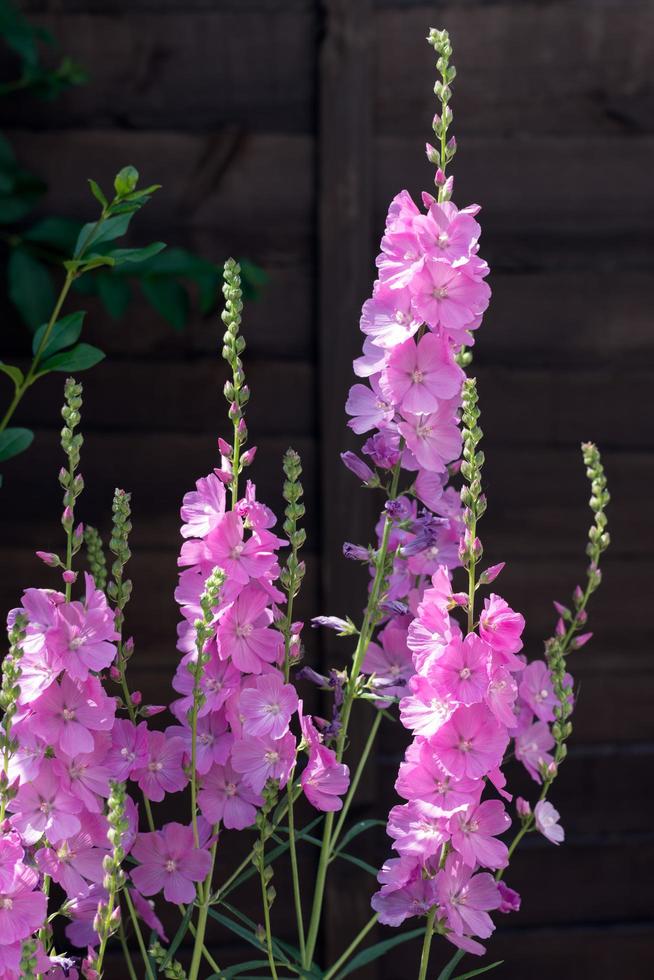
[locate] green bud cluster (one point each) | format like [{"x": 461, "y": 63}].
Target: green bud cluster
[
  {"x": 28, "y": 960},
  {"x": 204, "y": 630},
  {"x": 120, "y": 589},
  {"x": 172, "y": 968},
  {"x": 9, "y": 693},
  {"x": 236, "y": 391},
  {"x": 294, "y": 570},
  {"x": 266, "y": 830},
  {"x": 95, "y": 556},
  {"x": 71, "y": 482},
  {"x": 473, "y": 500},
  {"x": 107, "y": 917},
  {"x": 440, "y": 42},
  {"x": 563, "y": 642}
]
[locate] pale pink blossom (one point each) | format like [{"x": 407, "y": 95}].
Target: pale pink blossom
[
  {"x": 502, "y": 628},
  {"x": 244, "y": 633},
  {"x": 369, "y": 408},
  {"x": 536, "y": 690},
  {"x": 267, "y": 707},
  {"x": 418, "y": 377},
  {"x": 532, "y": 748},
  {"x": 169, "y": 860},
  {"x": 203, "y": 508},
  {"x": 22, "y": 909},
  {"x": 388, "y": 317},
  {"x": 467, "y": 898},
  {"x": 225, "y": 797},
  {"x": 324, "y": 780},
  {"x": 44, "y": 807},
  {"x": 68, "y": 712},
  {"x": 422, "y": 777},
  {"x": 474, "y": 834},
  {"x": 462, "y": 670},
  {"x": 82, "y": 633},
  {"x": 471, "y": 743},
  {"x": 434, "y": 439},
  {"x": 163, "y": 772},
  {"x": 547, "y": 822},
  {"x": 425, "y": 711},
  {"x": 261, "y": 759},
  {"x": 448, "y": 298}
]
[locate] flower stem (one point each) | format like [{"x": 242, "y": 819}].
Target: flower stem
[
  {"x": 358, "y": 939},
  {"x": 369, "y": 622},
  {"x": 126, "y": 953},
  {"x": 266, "y": 915},
  {"x": 297, "y": 898},
  {"x": 139, "y": 935},
  {"x": 363, "y": 758},
  {"x": 426, "y": 944}
]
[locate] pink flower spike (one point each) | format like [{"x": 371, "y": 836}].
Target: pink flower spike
[
  {"x": 169, "y": 860},
  {"x": 547, "y": 822},
  {"x": 267, "y": 707}
]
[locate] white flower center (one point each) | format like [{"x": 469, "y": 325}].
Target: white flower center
[
  {"x": 465, "y": 673},
  {"x": 440, "y": 292},
  {"x": 271, "y": 757},
  {"x": 230, "y": 789},
  {"x": 170, "y": 865},
  {"x": 244, "y": 630},
  {"x": 68, "y": 714},
  {"x": 155, "y": 766},
  {"x": 273, "y": 708},
  {"x": 417, "y": 376},
  {"x": 464, "y": 745},
  {"x": 6, "y": 902}
]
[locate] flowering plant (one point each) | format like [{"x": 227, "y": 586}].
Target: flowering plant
[{"x": 84, "y": 766}]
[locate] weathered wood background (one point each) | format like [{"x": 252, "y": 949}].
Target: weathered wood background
[{"x": 280, "y": 130}]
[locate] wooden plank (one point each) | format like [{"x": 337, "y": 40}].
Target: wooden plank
[
  {"x": 345, "y": 215},
  {"x": 223, "y": 180},
  {"x": 523, "y": 69},
  {"x": 251, "y": 68},
  {"x": 158, "y": 468},
  {"x": 602, "y": 952},
  {"x": 516, "y": 181},
  {"x": 183, "y": 396}
]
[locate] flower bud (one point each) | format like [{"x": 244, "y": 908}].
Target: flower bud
[{"x": 49, "y": 558}]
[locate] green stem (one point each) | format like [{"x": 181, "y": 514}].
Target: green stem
[
  {"x": 426, "y": 944},
  {"x": 204, "y": 893},
  {"x": 358, "y": 939},
  {"x": 266, "y": 914},
  {"x": 356, "y": 778},
  {"x": 139, "y": 935},
  {"x": 236, "y": 462},
  {"x": 126, "y": 953},
  {"x": 350, "y": 690},
  {"x": 297, "y": 899}
]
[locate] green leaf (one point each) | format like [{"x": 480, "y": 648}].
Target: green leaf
[
  {"x": 114, "y": 292},
  {"x": 78, "y": 358},
  {"x": 13, "y": 442},
  {"x": 126, "y": 180},
  {"x": 374, "y": 952},
  {"x": 123, "y": 255},
  {"x": 30, "y": 287},
  {"x": 169, "y": 298},
  {"x": 60, "y": 233},
  {"x": 64, "y": 333},
  {"x": 448, "y": 969},
  {"x": 96, "y": 190},
  {"x": 14, "y": 373},
  {"x": 359, "y": 828},
  {"x": 478, "y": 973},
  {"x": 179, "y": 935},
  {"x": 236, "y": 971},
  {"x": 94, "y": 233}
]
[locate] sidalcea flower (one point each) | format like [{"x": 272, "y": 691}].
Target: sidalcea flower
[
  {"x": 434, "y": 439},
  {"x": 213, "y": 742},
  {"x": 391, "y": 663},
  {"x": 219, "y": 680},
  {"x": 501, "y": 627},
  {"x": 203, "y": 508},
  {"x": 266, "y": 708},
  {"x": 462, "y": 671},
  {"x": 419, "y": 828},
  {"x": 22, "y": 909},
  {"x": 226, "y": 547},
  {"x": 169, "y": 861},
  {"x": 162, "y": 772},
  {"x": 68, "y": 712},
  {"x": 368, "y": 407},
  {"x": 73, "y": 863},
  {"x": 422, "y": 777},
  {"x": 449, "y": 298},
  {"x": 82, "y": 633},
  {"x": 225, "y": 797},
  {"x": 44, "y": 807},
  {"x": 445, "y": 233},
  {"x": 324, "y": 779},
  {"x": 129, "y": 749},
  {"x": 547, "y": 822},
  {"x": 395, "y": 905},
  {"x": 244, "y": 633},
  {"x": 388, "y": 317},
  {"x": 537, "y": 691},
  {"x": 467, "y": 898},
  {"x": 261, "y": 759},
  {"x": 424, "y": 711},
  {"x": 474, "y": 834},
  {"x": 419, "y": 376},
  {"x": 532, "y": 748},
  {"x": 471, "y": 743}
]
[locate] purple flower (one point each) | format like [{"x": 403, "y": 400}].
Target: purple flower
[{"x": 169, "y": 860}]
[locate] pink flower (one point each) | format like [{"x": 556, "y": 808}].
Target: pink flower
[
  {"x": 446, "y": 233},
  {"x": 66, "y": 713},
  {"x": 44, "y": 807},
  {"x": 394, "y": 906},
  {"x": 324, "y": 779},
  {"x": 22, "y": 909},
  {"x": 422, "y": 777},
  {"x": 390, "y": 662},
  {"x": 86, "y": 778},
  {"x": 419, "y": 376},
  {"x": 129, "y": 749},
  {"x": 261, "y": 759},
  {"x": 267, "y": 707},
  {"x": 163, "y": 771},
  {"x": 462, "y": 671},
  {"x": 501, "y": 695},
  {"x": 388, "y": 318},
  {"x": 448, "y": 298},
  {"x": 213, "y": 744},
  {"x": 203, "y": 508},
  {"x": 510, "y": 898},
  {"x": 474, "y": 832},
  {"x": 434, "y": 439},
  {"x": 38, "y": 670},
  {"x": 467, "y": 898},
  {"x": 168, "y": 860},
  {"x": 73, "y": 863},
  {"x": 369, "y": 408},
  {"x": 547, "y": 822},
  {"x": 225, "y": 797},
  {"x": 82, "y": 633},
  {"x": 145, "y": 910},
  {"x": 418, "y": 828},
  {"x": 11, "y": 854},
  {"x": 226, "y": 547},
  {"x": 425, "y": 711},
  {"x": 531, "y": 748},
  {"x": 220, "y": 680},
  {"x": 471, "y": 743},
  {"x": 501, "y": 627},
  {"x": 244, "y": 634},
  {"x": 537, "y": 691}
]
